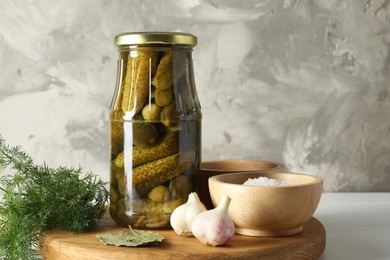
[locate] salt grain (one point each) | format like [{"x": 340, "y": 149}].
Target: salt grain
[{"x": 264, "y": 181}]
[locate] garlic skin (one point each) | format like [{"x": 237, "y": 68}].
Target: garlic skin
[
  {"x": 214, "y": 227},
  {"x": 182, "y": 216}
]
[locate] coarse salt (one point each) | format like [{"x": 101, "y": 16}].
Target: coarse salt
[{"x": 264, "y": 181}]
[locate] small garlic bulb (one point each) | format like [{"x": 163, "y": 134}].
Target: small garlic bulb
[
  {"x": 182, "y": 216},
  {"x": 214, "y": 227}
]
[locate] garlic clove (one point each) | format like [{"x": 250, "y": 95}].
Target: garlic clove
[
  {"x": 214, "y": 227},
  {"x": 182, "y": 216}
]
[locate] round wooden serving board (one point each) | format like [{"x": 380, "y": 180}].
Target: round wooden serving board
[{"x": 309, "y": 244}]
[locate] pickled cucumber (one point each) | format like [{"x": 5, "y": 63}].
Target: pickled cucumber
[
  {"x": 169, "y": 116},
  {"x": 120, "y": 160},
  {"x": 117, "y": 99},
  {"x": 118, "y": 180},
  {"x": 136, "y": 85},
  {"x": 144, "y": 134},
  {"x": 115, "y": 183},
  {"x": 167, "y": 146},
  {"x": 164, "y": 98},
  {"x": 151, "y": 112},
  {"x": 164, "y": 74},
  {"x": 170, "y": 205},
  {"x": 146, "y": 206},
  {"x": 116, "y": 132},
  {"x": 169, "y": 70},
  {"x": 149, "y": 175},
  {"x": 114, "y": 194},
  {"x": 159, "y": 193}
]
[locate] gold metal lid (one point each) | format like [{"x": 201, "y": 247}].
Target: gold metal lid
[{"x": 137, "y": 38}]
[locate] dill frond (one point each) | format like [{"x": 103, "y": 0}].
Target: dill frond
[{"x": 37, "y": 198}]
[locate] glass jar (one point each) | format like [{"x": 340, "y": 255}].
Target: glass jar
[{"x": 155, "y": 128}]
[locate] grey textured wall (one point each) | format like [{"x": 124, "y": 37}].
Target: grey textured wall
[{"x": 301, "y": 82}]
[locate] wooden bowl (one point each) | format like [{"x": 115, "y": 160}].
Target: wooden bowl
[
  {"x": 268, "y": 210},
  {"x": 212, "y": 168}
]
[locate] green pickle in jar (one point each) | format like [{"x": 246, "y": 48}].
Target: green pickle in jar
[{"x": 155, "y": 128}]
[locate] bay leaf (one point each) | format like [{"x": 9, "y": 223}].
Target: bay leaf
[
  {"x": 115, "y": 240},
  {"x": 139, "y": 236},
  {"x": 131, "y": 238}
]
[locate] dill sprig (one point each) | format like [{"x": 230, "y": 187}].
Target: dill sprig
[{"x": 37, "y": 198}]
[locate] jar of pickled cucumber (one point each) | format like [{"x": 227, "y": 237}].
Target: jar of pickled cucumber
[{"x": 155, "y": 128}]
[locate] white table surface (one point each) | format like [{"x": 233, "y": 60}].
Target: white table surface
[{"x": 357, "y": 225}]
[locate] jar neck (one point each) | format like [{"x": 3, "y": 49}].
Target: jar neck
[{"x": 155, "y": 47}]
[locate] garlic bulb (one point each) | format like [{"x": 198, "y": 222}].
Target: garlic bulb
[
  {"x": 214, "y": 227},
  {"x": 181, "y": 217}
]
